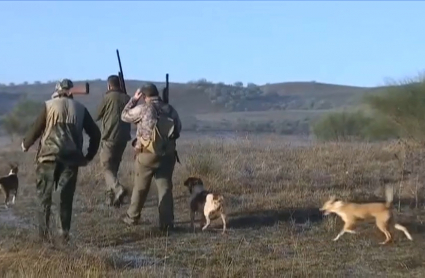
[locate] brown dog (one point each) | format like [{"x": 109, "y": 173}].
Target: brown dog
[
  {"x": 352, "y": 212},
  {"x": 9, "y": 184},
  {"x": 208, "y": 204}
]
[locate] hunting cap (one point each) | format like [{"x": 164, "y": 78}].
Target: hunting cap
[
  {"x": 150, "y": 90},
  {"x": 64, "y": 84}
]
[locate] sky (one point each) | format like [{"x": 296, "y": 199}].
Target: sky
[{"x": 353, "y": 43}]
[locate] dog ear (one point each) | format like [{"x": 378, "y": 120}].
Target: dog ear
[
  {"x": 188, "y": 181},
  {"x": 332, "y": 198}
]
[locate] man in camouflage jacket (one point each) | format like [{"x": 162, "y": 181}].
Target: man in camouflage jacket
[
  {"x": 60, "y": 128},
  {"x": 149, "y": 165},
  {"x": 115, "y": 135}
]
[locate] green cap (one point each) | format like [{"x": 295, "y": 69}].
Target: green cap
[{"x": 64, "y": 84}]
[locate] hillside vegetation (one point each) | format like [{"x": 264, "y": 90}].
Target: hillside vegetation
[
  {"x": 396, "y": 112},
  {"x": 285, "y": 108}
]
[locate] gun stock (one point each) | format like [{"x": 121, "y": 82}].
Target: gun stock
[
  {"x": 81, "y": 89},
  {"x": 121, "y": 74}
]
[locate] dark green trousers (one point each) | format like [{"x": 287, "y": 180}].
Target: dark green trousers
[
  {"x": 110, "y": 159},
  {"x": 149, "y": 166},
  {"x": 55, "y": 186}
]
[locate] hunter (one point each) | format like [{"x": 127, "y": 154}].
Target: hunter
[
  {"x": 158, "y": 127},
  {"x": 115, "y": 135},
  {"x": 60, "y": 128}
]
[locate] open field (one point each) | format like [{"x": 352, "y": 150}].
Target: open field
[
  {"x": 264, "y": 116},
  {"x": 273, "y": 190}
]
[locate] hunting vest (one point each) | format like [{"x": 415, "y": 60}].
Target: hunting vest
[{"x": 62, "y": 140}]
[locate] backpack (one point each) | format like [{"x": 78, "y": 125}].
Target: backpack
[{"x": 162, "y": 133}]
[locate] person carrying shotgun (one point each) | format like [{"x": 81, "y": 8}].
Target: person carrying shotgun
[
  {"x": 60, "y": 128},
  {"x": 115, "y": 135},
  {"x": 158, "y": 127}
]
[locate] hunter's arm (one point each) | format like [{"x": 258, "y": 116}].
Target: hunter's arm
[
  {"x": 178, "y": 123},
  {"x": 93, "y": 131},
  {"x": 131, "y": 112},
  {"x": 35, "y": 130},
  {"x": 101, "y": 109}
]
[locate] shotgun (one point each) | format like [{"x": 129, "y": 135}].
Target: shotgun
[
  {"x": 120, "y": 74},
  {"x": 76, "y": 90},
  {"x": 80, "y": 90},
  {"x": 165, "y": 92}
]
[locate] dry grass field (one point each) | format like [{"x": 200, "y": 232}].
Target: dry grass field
[{"x": 273, "y": 191}]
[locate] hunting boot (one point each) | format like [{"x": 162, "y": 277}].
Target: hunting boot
[{"x": 63, "y": 237}]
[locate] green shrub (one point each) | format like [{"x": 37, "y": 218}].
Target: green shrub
[
  {"x": 398, "y": 110},
  {"x": 344, "y": 126},
  {"x": 23, "y": 115},
  {"x": 403, "y": 106}
]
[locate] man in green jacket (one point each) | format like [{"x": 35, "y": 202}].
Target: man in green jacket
[
  {"x": 115, "y": 135},
  {"x": 60, "y": 128}
]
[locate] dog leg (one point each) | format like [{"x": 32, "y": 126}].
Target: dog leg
[
  {"x": 202, "y": 221},
  {"x": 207, "y": 217},
  {"x": 345, "y": 229},
  {"x": 192, "y": 220},
  {"x": 13, "y": 199},
  {"x": 383, "y": 227},
  {"x": 339, "y": 235},
  {"x": 404, "y": 230},
  {"x": 223, "y": 218},
  {"x": 6, "y": 201}
]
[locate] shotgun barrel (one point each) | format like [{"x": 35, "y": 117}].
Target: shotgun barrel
[
  {"x": 165, "y": 92},
  {"x": 121, "y": 74}
]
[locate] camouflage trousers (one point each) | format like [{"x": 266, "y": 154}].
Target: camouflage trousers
[
  {"x": 148, "y": 166},
  {"x": 55, "y": 186},
  {"x": 110, "y": 159}
]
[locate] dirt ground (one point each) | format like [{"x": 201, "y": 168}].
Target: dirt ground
[{"x": 273, "y": 190}]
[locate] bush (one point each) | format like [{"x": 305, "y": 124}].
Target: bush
[
  {"x": 402, "y": 105},
  {"x": 397, "y": 111},
  {"x": 18, "y": 121},
  {"x": 344, "y": 126}
]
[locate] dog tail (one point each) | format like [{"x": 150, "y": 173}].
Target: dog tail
[
  {"x": 389, "y": 195},
  {"x": 404, "y": 230}
]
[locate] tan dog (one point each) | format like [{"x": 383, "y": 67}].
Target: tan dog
[
  {"x": 208, "y": 204},
  {"x": 352, "y": 212},
  {"x": 9, "y": 184}
]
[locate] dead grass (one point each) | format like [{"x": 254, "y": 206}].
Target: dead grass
[{"x": 273, "y": 191}]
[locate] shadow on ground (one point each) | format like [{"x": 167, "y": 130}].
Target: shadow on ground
[
  {"x": 122, "y": 238},
  {"x": 267, "y": 218},
  {"x": 134, "y": 234}
]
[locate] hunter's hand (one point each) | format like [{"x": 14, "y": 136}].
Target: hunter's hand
[{"x": 138, "y": 94}]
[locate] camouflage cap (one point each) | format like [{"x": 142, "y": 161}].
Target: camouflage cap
[
  {"x": 150, "y": 90},
  {"x": 64, "y": 84}
]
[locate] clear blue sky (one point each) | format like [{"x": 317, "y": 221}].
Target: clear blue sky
[{"x": 357, "y": 43}]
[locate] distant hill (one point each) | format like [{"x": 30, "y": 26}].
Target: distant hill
[{"x": 200, "y": 102}]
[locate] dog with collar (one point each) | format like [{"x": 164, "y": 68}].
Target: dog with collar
[
  {"x": 209, "y": 205},
  {"x": 9, "y": 184},
  {"x": 351, "y": 212}
]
